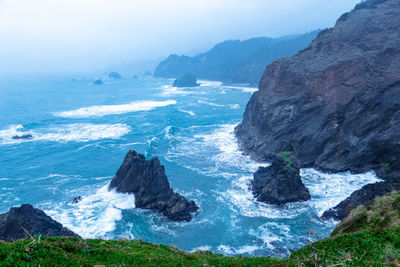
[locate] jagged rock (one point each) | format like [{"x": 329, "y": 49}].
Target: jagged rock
[
  {"x": 24, "y": 136},
  {"x": 114, "y": 75},
  {"x": 34, "y": 221},
  {"x": 187, "y": 80},
  {"x": 280, "y": 182},
  {"x": 336, "y": 104},
  {"x": 147, "y": 180},
  {"x": 98, "y": 82},
  {"x": 363, "y": 196}
]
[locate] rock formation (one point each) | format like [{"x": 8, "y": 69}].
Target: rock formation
[
  {"x": 17, "y": 222},
  {"x": 280, "y": 182},
  {"x": 114, "y": 75},
  {"x": 187, "y": 80},
  {"x": 24, "y": 136},
  {"x": 363, "y": 196},
  {"x": 147, "y": 180},
  {"x": 98, "y": 82},
  {"x": 336, "y": 104}
]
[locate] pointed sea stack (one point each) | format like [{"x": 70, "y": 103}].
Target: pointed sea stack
[
  {"x": 279, "y": 183},
  {"x": 147, "y": 180},
  {"x": 15, "y": 224}
]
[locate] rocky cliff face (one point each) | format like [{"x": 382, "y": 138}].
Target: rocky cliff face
[
  {"x": 280, "y": 182},
  {"x": 336, "y": 104},
  {"x": 147, "y": 180},
  {"x": 14, "y": 223}
]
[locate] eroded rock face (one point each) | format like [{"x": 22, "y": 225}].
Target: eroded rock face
[
  {"x": 363, "y": 196},
  {"x": 147, "y": 180},
  {"x": 34, "y": 221},
  {"x": 280, "y": 182},
  {"x": 336, "y": 104}
]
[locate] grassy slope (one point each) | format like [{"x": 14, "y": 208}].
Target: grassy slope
[
  {"x": 383, "y": 212},
  {"x": 370, "y": 236},
  {"x": 377, "y": 248}
]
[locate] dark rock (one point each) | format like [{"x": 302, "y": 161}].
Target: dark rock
[
  {"x": 187, "y": 80},
  {"x": 34, "y": 221},
  {"x": 280, "y": 182},
  {"x": 363, "y": 196},
  {"x": 147, "y": 180},
  {"x": 98, "y": 82},
  {"x": 336, "y": 104},
  {"x": 134, "y": 77},
  {"x": 24, "y": 136},
  {"x": 114, "y": 75},
  {"x": 76, "y": 199}
]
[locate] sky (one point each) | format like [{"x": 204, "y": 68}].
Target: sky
[{"x": 92, "y": 35}]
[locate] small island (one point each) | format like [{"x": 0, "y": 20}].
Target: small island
[
  {"x": 187, "y": 80},
  {"x": 114, "y": 75}
]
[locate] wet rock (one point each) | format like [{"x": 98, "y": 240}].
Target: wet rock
[
  {"x": 280, "y": 182},
  {"x": 98, "y": 82},
  {"x": 34, "y": 221},
  {"x": 363, "y": 196},
  {"x": 24, "y": 136},
  {"x": 336, "y": 104},
  {"x": 76, "y": 200},
  {"x": 147, "y": 180}
]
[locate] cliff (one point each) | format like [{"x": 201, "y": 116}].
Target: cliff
[
  {"x": 336, "y": 104},
  {"x": 234, "y": 61}
]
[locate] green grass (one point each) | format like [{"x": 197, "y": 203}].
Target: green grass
[
  {"x": 383, "y": 212},
  {"x": 379, "y": 247},
  {"x": 285, "y": 155},
  {"x": 62, "y": 251},
  {"x": 367, "y": 248}
]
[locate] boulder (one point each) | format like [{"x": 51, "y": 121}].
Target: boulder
[
  {"x": 146, "y": 179},
  {"x": 17, "y": 222},
  {"x": 280, "y": 182}
]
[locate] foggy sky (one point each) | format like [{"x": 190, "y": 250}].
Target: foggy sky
[{"x": 89, "y": 35}]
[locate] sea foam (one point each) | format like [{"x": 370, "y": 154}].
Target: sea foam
[
  {"x": 99, "y": 111},
  {"x": 95, "y": 215},
  {"x": 77, "y": 132}
]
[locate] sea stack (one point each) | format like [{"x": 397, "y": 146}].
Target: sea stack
[
  {"x": 279, "y": 183},
  {"x": 18, "y": 222},
  {"x": 147, "y": 180},
  {"x": 187, "y": 80}
]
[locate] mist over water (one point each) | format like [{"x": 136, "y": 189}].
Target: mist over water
[{"x": 81, "y": 133}]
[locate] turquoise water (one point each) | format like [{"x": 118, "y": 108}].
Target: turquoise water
[{"x": 81, "y": 133}]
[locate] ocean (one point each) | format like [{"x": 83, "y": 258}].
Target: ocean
[{"x": 81, "y": 133}]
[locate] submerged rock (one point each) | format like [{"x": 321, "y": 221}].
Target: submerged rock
[
  {"x": 76, "y": 200},
  {"x": 336, "y": 104},
  {"x": 363, "y": 196},
  {"x": 147, "y": 180},
  {"x": 98, "y": 82},
  {"x": 24, "y": 136},
  {"x": 114, "y": 75},
  {"x": 280, "y": 182},
  {"x": 34, "y": 221},
  {"x": 187, "y": 80}
]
